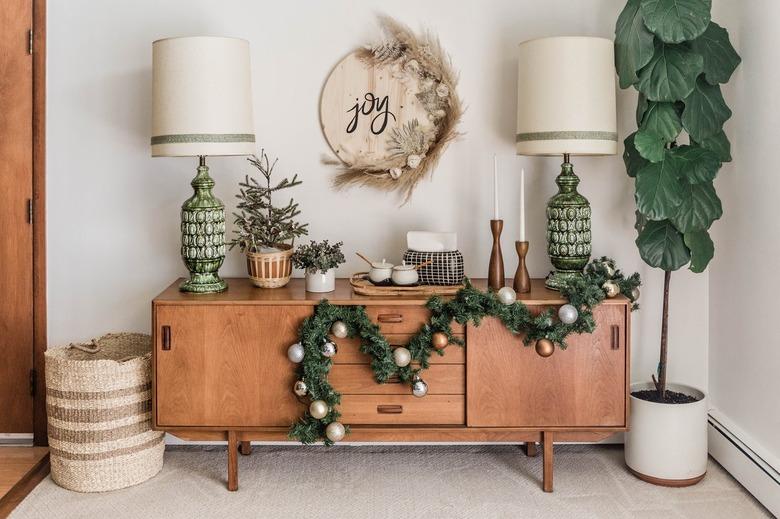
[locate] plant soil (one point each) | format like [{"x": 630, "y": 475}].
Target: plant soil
[{"x": 672, "y": 397}]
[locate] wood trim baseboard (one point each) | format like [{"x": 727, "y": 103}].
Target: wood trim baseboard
[{"x": 25, "y": 485}]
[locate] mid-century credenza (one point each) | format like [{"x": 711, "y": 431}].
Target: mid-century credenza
[{"x": 221, "y": 372}]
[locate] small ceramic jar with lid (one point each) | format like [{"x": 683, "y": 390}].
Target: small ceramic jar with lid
[
  {"x": 381, "y": 272},
  {"x": 404, "y": 275}
]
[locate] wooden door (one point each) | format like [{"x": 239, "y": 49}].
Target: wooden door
[
  {"x": 510, "y": 385},
  {"x": 16, "y": 247},
  {"x": 227, "y": 365}
]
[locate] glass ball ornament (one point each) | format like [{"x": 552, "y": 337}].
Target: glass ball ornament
[
  {"x": 339, "y": 329},
  {"x": 419, "y": 387},
  {"x": 402, "y": 357},
  {"x": 300, "y": 388},
  {"x": 318, "y": 409},
  {"x": 609, "y": 268},
  {"x": 335, "y": 431},
  {"x": 568, "y": 314},
  {"x": 439, "y": 340},
  {"x": 611, "y": 289},
  {"x": 507, "y": 295},
  {"x": 635, "y": 294},
  {"x": 545, "y": 347},
  {"x": 295, "y": 353},
  {"x": 328, "y": 349}
]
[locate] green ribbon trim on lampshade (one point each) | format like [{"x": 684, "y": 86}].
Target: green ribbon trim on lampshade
[
  {"x": 567, "y": 135},
  {"x": 187, "y": 138}
]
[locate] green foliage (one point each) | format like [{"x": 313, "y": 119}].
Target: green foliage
[
  {"x": 259, "y": 223},
  {"x": 468, "y": 306},
  {"x": 679, "y": 90},
  {"x": 318, "y": 256}
]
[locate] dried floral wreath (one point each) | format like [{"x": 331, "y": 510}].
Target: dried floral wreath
[{"x": 414, "y": 148}]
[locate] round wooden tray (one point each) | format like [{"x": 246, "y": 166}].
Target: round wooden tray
[{"x": 361, "y": 285}]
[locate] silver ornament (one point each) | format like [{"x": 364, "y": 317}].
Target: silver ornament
[
  {"x": 419, "y": 387},
  {"x": 295, "y": 353},
  {"x": 318, "y": 409},
  {"x": 335, "y": 431},
  {"x": 402, "y": 357},
  {"x": 609, "y": 268},
  {"x": 300, "y": 388},
  {"x": 635, "y": 294},
  {"x": 507, "y": 295},
  {"x": 611, "y": 288},
  {"x": 328, "y": 349},
  {"x": 339, "y": 329},
  {"x": 568, "y": 314}
]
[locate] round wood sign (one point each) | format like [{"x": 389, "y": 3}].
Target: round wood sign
[{"x": 362, "y": 105}]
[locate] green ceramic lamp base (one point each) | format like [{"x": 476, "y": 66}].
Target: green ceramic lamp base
[{"x": 209, "y": 283}]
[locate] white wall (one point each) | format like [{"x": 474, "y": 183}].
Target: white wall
[
  {"x": 744, "y": 357},
  {"x": 113, "y": 211}
]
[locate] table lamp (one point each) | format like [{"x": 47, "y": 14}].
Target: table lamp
[
  {"x": 566, "y": 106},
  {"x": 202, "y": 105}
]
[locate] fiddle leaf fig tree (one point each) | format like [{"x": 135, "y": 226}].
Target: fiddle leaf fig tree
[{"x": 676, "y": 57}]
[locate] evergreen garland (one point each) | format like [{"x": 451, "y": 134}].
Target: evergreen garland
[{"x": 469, "y": 305}]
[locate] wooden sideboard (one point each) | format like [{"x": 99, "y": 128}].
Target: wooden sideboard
[{"x": 221, "y": 373}]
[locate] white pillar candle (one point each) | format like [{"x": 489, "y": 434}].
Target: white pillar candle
[
  {"x": 495, "y": 187},
  {"x": 522, "y": 204}
]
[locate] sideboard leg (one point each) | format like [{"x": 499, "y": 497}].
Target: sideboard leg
[
  {"x": 530, "y": 449},
  {"x": 547, "y": 457},
  {"x": 245, "y": 448},
  {"x": 232, "y": 461}
]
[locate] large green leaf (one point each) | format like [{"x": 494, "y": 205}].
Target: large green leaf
[
  {"x": 662, "y": 119},
  {"x": 720, "y": 58},
  {"x": 640, "y": 221},
  {"x": 631, "y": 157},
  {"x": 705, "y": 111},
  {"x": 675, "y": 21},
  {"x": 659, "y": 189},
  {"x": 699, "y": 208},
  {"x": 696, "y": 164},
  {"x": 719, "y": 144},
  {"x": 641, "y": 105},
  {"x": 649, "y": 145},
  {"x": 671, "y": 73},
  {"x": 702, "y": 249},
  {"x": 633, "y": 43},
  {"x": 661, "y": 245}
]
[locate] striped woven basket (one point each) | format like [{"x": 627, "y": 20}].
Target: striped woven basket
[{"x": 98, "y": 402}]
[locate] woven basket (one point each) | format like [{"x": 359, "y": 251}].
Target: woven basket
[
  {"x": 98, "y": 401},
  {"x": 270, "y": 269}
]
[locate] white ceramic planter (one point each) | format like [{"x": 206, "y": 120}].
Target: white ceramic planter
[
  {"x": 667, "y": 443},
  {"x": 321, "y": 281}
]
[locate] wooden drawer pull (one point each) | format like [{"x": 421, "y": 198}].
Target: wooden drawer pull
[
  {"x": 394, "y": 379},
  {"x": 389, "y": 409},
  {"x": 166, "y": 337},
  {"x": 390, "y": 318},
  {"x": 615, "y": 337}
]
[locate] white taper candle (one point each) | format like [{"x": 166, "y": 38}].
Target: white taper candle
[
  {"x": 522, "y": 204},
  {"x": 495, "y": 187}
]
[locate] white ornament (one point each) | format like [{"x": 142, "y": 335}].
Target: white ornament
[
  {"x": 419, "y": 387},
  {"x": 402, "y": 357},
  {"x": 328, "y": 349},
  {"x": 507, "y": 295},
  {"x": 568, "y": 314},
  {"x": 335, "y": 431},
  {"x": 413, "y": 161},
  {"x": 318, "y": 409},
  {"x": 295, "y": 353},
  {"x": 395, "y": 173},
  {"x": 339, "y": 329}
]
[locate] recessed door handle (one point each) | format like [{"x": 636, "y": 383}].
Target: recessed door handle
[
  {"x": 166, "y": 337},
  {"x": 389, "y": 409},
  {"x": 615, "y": 329},
  {"x": 390, "y": 318}
]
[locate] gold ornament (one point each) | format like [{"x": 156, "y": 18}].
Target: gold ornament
[
  {"x": 545, "y": 347},
  {"x": 318, "y": 409},
  {"x": 439, "y": 340},
  {"x": 611, "y": 288}
]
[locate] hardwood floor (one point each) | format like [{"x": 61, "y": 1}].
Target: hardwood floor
[{"x": 21, "y": 469}]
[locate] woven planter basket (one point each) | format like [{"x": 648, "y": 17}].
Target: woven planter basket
[
  {"x": 270, "y": 269},
  {"x": 99, "y": 403}
]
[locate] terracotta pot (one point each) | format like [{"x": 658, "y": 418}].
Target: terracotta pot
[
  {"x": 270, "y": 269},
  {"x": 667, "y": 443}
]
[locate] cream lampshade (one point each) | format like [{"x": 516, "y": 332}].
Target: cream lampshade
[
  {"x": 566, "y": 106},
  {"x": 202, "y": 105}
]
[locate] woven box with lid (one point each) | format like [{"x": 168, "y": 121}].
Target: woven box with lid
[{"x": 98, "y": 402}]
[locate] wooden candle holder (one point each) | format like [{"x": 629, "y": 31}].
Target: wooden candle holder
[
  {"x": 522, "y": 283},
  {"x": 496, "y": 266}
]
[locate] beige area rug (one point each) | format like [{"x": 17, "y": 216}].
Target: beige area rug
[{"x": 414, "y": 482}]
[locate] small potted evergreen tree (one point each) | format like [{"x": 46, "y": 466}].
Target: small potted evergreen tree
[
  {"x": 319, "y": 260},
  {"x": 677, "y": 58},
  {"x": 264, "y": 232}
]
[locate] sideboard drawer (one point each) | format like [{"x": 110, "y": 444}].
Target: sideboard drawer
[
  {"x": 403, "y": 410},
  {"x": 403, "y": 319},
  {"x": 349, "y": 350},
  {"x": 358, "y": 379}
]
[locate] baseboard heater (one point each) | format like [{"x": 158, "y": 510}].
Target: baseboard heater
[{"x": 758, "y": 474}]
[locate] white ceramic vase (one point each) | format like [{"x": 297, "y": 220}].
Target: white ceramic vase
[
  {"x": 319, "y": 281},
  {"x": 667, "y": 443}
]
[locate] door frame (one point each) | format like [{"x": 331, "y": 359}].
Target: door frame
[{"x": 38, "y": 385}]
